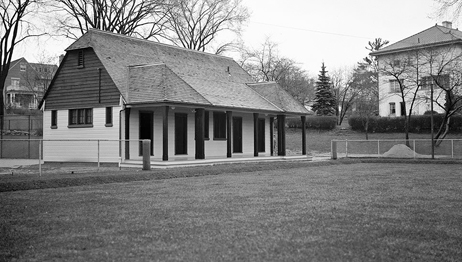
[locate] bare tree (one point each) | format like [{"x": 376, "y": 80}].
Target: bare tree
[
  {"x": 298, "y": 84},
  {"x": 445, "y": 79},
  {"x": 140, "y": 18},
  {"x": 449, "y": 6},
  {"x": 344, "y": 91},
  {"x": 404, "y": 71},
  {"x": 14, "y": 29},
  {"x": 194, "y": 24},
  {"x": 367, "y": 99},
  {"x": 265, "y": 64}
]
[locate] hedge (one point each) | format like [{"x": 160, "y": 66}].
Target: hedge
[
  {"x": 418, "y": 124},
  {"x": 314, "y": 122}
]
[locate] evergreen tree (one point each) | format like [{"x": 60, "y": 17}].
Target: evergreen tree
[{"x": 324, "y": 101}]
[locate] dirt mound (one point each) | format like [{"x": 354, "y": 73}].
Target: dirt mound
[{"x": 400, "y": 151}]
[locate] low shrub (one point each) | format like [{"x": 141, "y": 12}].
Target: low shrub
[
  {"x": 418, "y": 124},
  {"x": 314, "y": 122}
]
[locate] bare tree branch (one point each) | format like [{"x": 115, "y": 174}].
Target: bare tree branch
[{"x": 139, "y": 18}]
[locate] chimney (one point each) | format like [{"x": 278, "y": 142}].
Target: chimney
[{"x": 447, "y": 24}]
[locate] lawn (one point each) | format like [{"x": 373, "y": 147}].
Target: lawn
[{"x": 354, "y": 212}]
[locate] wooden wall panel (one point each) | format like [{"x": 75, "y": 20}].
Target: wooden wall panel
[{"x": 75, "y": 87}]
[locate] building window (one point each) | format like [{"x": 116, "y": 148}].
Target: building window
[
  {"x": 81, "y": 117},
  {"x": 394, "y": 86},
  {"x": 54, "y": 119},
  {"x": 108, "y": 116},
  {"x": 219, "y": 125},
  {"x": 80, "y": 59},
  {"x": 22, "y": 67},
  {"x": 15, "y": 82},
  {"x": 206, "y": 125},
  {"x": 427, "y": 82},
  {"x": 392, "y": 109}
]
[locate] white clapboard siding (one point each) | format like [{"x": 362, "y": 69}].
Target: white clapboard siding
[{"x": 81, "y": 151}]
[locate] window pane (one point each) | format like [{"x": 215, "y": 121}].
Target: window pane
[
  {"x": 88, "y": 116},
  {"x": 108, "y": 115},
  {"x": 54, "y": 118}
]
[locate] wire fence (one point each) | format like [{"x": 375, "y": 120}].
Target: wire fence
[
  {"x": 412, "y": 148},
  {"x": 70, "y": 150}
]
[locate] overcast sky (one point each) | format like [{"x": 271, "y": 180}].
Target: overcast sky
[{"x": 310, "y": 32}]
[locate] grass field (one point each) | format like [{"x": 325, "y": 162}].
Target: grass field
[{"x": 354, "y": 212}]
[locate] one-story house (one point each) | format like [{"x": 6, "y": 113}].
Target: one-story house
[{"x": 190, "y": 104}]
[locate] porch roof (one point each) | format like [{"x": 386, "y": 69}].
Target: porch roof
[{"x": 146, "y": 71}]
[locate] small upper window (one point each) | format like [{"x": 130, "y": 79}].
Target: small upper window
[
  {"x": 108, "y": 116},
  {"x": 395, "y": 86},
  {"x": 80, "y": 59},
  {"x": 22, "y": 67},
  {"x": 54, "y": 119}
]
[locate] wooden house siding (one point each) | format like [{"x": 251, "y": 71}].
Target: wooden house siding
[
  {"x": 81, "y": 150},
  {"x": 75, "y": 87}
]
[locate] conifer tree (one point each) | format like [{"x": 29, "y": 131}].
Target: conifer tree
[{"x": 324, "y": 101}]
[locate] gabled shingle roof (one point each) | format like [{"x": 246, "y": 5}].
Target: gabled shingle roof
[
  {"x": 434, "y": 36},
  {"x": 164, "y": 73}
]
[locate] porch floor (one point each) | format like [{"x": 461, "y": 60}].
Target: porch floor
[{"x": 202, "y": 162}]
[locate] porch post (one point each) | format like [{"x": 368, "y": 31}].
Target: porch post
[
  {"x": 303, "y": 135},
  {"x": 127, "y": 133},
  {"x": 281, "y": 135},
  {"x": 255, "y": 134},
  {"x": 165, "y": 134},
  {"x": 229, "y": 117},
  {"x": 200, "y": 141},
  {"x": 271, "y": 135}
]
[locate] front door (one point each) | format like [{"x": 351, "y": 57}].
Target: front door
[
  {"x": 237, "y": 134},
  {"x": 146, "y": 129},
  {"x": 181, "y": 134}
]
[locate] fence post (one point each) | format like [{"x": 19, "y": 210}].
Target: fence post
[
  {"x": 378, "y": 148},
  {"x": 40, "y": 157},
  {"x": 452, "y": 148},
  {"x": 146, "y": 154},
  {"x": 28, "y": 136},
  {"x": 414, "y": 148},
  {"x": 98, "y": 155},
  {"x": 346, "y": 147},
  {"x": 334, "y": 149}
]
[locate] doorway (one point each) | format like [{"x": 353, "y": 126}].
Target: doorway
[
  {"x": 146, "y": 128},
  {"x": 261, "y": 135},
  {"x": 237, "y": 134},
  {"x": 181, "y": 134}
]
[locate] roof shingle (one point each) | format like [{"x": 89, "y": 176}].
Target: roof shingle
[{"x": 159, "y": 72}]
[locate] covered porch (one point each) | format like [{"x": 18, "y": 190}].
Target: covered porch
[{"x": 191, "y": 135}]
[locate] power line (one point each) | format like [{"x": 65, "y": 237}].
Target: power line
[{"x": 313, "y": 31}]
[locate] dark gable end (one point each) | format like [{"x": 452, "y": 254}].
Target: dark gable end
[{"x": 81, "y": 86}]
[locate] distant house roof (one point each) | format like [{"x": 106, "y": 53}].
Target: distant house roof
[
  {"x": 434, "y": 36},
  {"x": 158, "y": 72}
]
